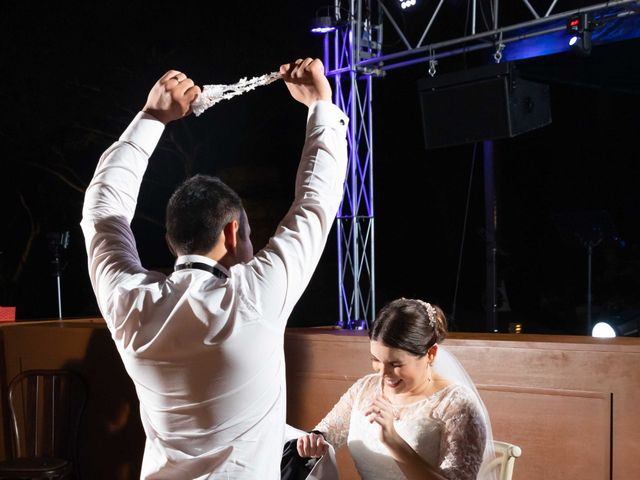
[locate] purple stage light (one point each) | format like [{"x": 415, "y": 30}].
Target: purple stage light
[
  {"x": 323, "y": 24},
  {"x": 322, "y": 29}
]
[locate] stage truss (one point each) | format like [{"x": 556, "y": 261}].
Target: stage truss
[{"x": 353, "y": 56}]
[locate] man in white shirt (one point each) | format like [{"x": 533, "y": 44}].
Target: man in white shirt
[{"x": 204, "y": 345}]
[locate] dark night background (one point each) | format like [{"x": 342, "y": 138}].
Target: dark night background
[{"x": 75, "y": 73}]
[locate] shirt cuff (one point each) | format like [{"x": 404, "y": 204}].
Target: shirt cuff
[
  {"x": 144, "y": 131},
  {"x": 325, "y": 113},
  {"x": 318, "y": 432}
]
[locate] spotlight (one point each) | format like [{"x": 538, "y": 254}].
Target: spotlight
[
  {"x": 580, "y": 27},
  {"x": 323, "y": 25},
  {"x": 407, "y": 3},
  {"x": 327, "y": 21}
]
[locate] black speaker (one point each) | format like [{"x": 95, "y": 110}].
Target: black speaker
[{"x": 483, "y": 103}]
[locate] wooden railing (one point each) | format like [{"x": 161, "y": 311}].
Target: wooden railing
[{"x": 570, "y": 403}]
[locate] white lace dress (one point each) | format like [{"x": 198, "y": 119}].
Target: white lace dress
[{"x": 446, "y": 429}]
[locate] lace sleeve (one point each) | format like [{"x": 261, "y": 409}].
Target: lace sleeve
[
  {"x": 463, "y": 438},
  {"x": 335, "y": 424}
]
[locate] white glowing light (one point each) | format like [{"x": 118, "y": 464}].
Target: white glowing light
[{"x": 603, "y": 330}]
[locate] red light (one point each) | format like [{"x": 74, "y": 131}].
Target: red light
[{"x": 574, "y": 23}]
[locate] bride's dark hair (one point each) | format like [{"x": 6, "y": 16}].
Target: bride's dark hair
[{"x": 409, "y": 325}]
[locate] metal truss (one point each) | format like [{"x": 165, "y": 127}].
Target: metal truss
[
  {"x": 354, "y": 56},
  {"x": 355, "y": 221},
  {"x": 534, "y": 18}
]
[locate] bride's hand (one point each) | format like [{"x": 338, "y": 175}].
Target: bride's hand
[{"x": 381, "y": 412}]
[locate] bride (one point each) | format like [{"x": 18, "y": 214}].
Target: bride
[{"x": 419, "y": 416}]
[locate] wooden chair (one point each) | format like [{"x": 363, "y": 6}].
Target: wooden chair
[
  {"x": 503, "y": 463},
  {"x": 45, "y": 408}
]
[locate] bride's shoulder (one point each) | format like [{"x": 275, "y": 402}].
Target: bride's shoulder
[
  {"x": 458, "y": 392},
  {"x": 369, "y": 384},
  {"x": 458, "y": 397}
]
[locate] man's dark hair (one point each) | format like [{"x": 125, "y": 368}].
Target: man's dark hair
[{"x": 198, "y": 211}]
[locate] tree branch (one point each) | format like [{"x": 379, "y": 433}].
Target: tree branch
[
  {"x": 59, "y": 175},
  {"x": 33, "y": 232}
]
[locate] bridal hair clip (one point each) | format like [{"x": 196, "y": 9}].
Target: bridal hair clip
[
  {"x": 431, "y": 312},
  {"x": 212, "y": 94}
]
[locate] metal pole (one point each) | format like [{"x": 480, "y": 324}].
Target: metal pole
[
  {"x": 490, "y": 236},
  {"x": 354, "y": 124},
  {"x": 59, "y": 289},
  {"x": 589, "y": 251}
]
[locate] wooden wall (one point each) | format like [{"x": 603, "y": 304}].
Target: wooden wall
[
  {"x": 571, "y": 403},
  {"x": 111, "y": 436}
]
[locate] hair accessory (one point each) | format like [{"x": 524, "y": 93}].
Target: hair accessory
[{"x": 431, "y": 312}]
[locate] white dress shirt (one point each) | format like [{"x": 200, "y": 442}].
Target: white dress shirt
[{"x": 206, "y": 353}]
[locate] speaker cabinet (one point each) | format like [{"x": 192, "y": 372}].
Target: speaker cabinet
[{"x": 484, "y": 103}]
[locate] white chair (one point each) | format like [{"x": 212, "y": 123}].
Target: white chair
[{"x": 503, "y": 463}]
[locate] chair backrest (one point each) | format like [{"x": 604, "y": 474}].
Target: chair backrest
[
  {"x": 503, "y": 463},
  {"x": 46, "y": 407}
]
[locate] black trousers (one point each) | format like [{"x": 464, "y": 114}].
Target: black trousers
[{"x": 293, "y": 466}]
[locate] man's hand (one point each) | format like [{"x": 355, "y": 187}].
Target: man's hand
[
  {"x": 306, "y": 81},
  {"x": 171, "y": 97},
  {"x": 312, "y": 445}
]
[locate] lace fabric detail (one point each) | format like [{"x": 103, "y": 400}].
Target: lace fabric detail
[
  {"x": 446, "y": 429},
  {"x": 212, "y": 94},
  {"x": 335, "y": 425}
]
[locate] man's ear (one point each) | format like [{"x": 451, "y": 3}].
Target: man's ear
[
  {"x": 171, "y": 249},
  {"x": 231, "y": 236}
]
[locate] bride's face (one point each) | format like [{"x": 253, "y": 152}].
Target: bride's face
[{"x": 401, "y": 371}]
